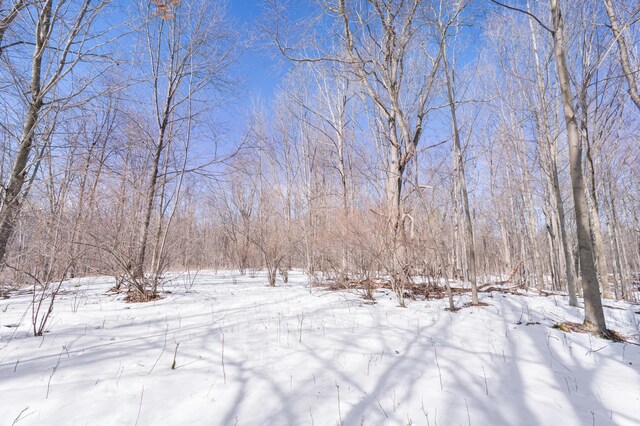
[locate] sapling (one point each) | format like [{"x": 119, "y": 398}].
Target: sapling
[
  {"x": 43, "y": 290},
  {"x": 119, "y": 374},
  {"x": 224, "y": 373},
  {"x": 383, "y": 411},
  {"x": 484, "y": 375},
  {"x": 425, "y": 412},
  {"x": 175, "y": 354},
  {"x": 468, "y": 414},
  {"x": 53, "y": 371},
  {"x": 339, "y": 410},
  {"x": 567, "y": 382},
  {"x": 190, "y": 279},
  {"x": 19, "y": 415},
  {"x": 140, "y": 406},
  {"x": 163, "y": 349},
  {"x": 438, "y": 365},
  {"x": 393, "y": 400},
  {"x": 300, "y": 321},
  {"x": 75, "y": 303}
]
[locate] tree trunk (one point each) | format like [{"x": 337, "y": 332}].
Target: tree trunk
[
  {"x": 271, "y": 274},
  {"x": 11, "y": 201},
  {"x": 9, "y": 17},
  {"x": 143, "y": 236},
  {"x": 616, "y": 245},
  {"x": 394, "y": 203},
  {"x": 551, "y": 151},
  {"x": 460, "y": 176},
  {"x": 594, "y": 315},
  {"x": 623, "y": 51},
  {"x": 600, "y": 256}
]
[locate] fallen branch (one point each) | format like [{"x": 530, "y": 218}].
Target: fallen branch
[{"x": 508, "y": 280}]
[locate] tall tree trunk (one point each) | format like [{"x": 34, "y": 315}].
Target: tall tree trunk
[
  {"x": 600, "y": 255},
  {"x": 593, "y": 312},
  {"x": 617, "y": 245},
  {"x": 9, "y": 17},
  {"x": 551, "y": 151},
  {"x": 394, "y": 203},
  {"x": 461, "y": 177},
  {"x": 506, "y": 258},
  {"x": 11, "y": 200},
  {"x": 623, "y": 51},
  {"x": 342, "y": 169},
  {"x": 143, "y": 234},
  {"x": 529, "y": 212}
]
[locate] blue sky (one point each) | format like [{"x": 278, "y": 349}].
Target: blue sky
[
  {"x": 244, "y": 8},
  {"x": 259, "y": 70}
]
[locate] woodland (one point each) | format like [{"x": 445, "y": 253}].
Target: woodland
[
  {"x": 332, "y": 212},
  {"x": 409, "y": 144}
]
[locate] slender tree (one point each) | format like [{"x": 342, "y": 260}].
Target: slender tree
[
  {"x": 623, "y": 51},
  {"x": 63, "y": 39},
  {"x": 594, "y": 314},
  {"x": 189, "y": 50}
]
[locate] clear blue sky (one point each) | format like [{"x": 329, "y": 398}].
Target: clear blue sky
[
  {"x": 245, "y": 9},
  {"x": 260, "y": 71}
]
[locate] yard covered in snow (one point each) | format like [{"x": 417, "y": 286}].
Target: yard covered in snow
[{"x": 248, "y": 354}]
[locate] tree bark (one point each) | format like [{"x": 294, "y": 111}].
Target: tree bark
[
  {"x": 594, "y": 315},
  {"x": 600, "y": 256},
  {"x": 10, "y": 16},
  {"x": 461, "y": 177},
  {"x": 623, "y": 51},
  {"x": 552, "y": 174},
  {"x": 394, "y": 206},
  {"x": 143, "y": 235},
  {"x": 11, "y": 200}
]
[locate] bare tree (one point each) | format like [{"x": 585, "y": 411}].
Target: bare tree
[
  {"x": 266, "y": 209},
  {"x": 594, "y": 315},
  {"x": 9, "y": 17},
  {"x": 549, "y": 160},
  {"x": 189, "y": 50},
  {"x": 64, "y": 38},
  {"x": 623, "y": 50},
  {"x": 381, "y": 44},
  {"x": 459, "y": 170}
]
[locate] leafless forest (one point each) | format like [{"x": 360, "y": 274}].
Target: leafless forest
[{"x": 410, "y": 140}]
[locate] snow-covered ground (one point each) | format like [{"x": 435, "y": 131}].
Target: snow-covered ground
[{"x": 252, "y": 355}]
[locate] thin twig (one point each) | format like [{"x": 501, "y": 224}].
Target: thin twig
[{"x": 140, "y": 406}]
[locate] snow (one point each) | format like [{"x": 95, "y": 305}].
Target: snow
[{"x": 248, "y": 354}]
